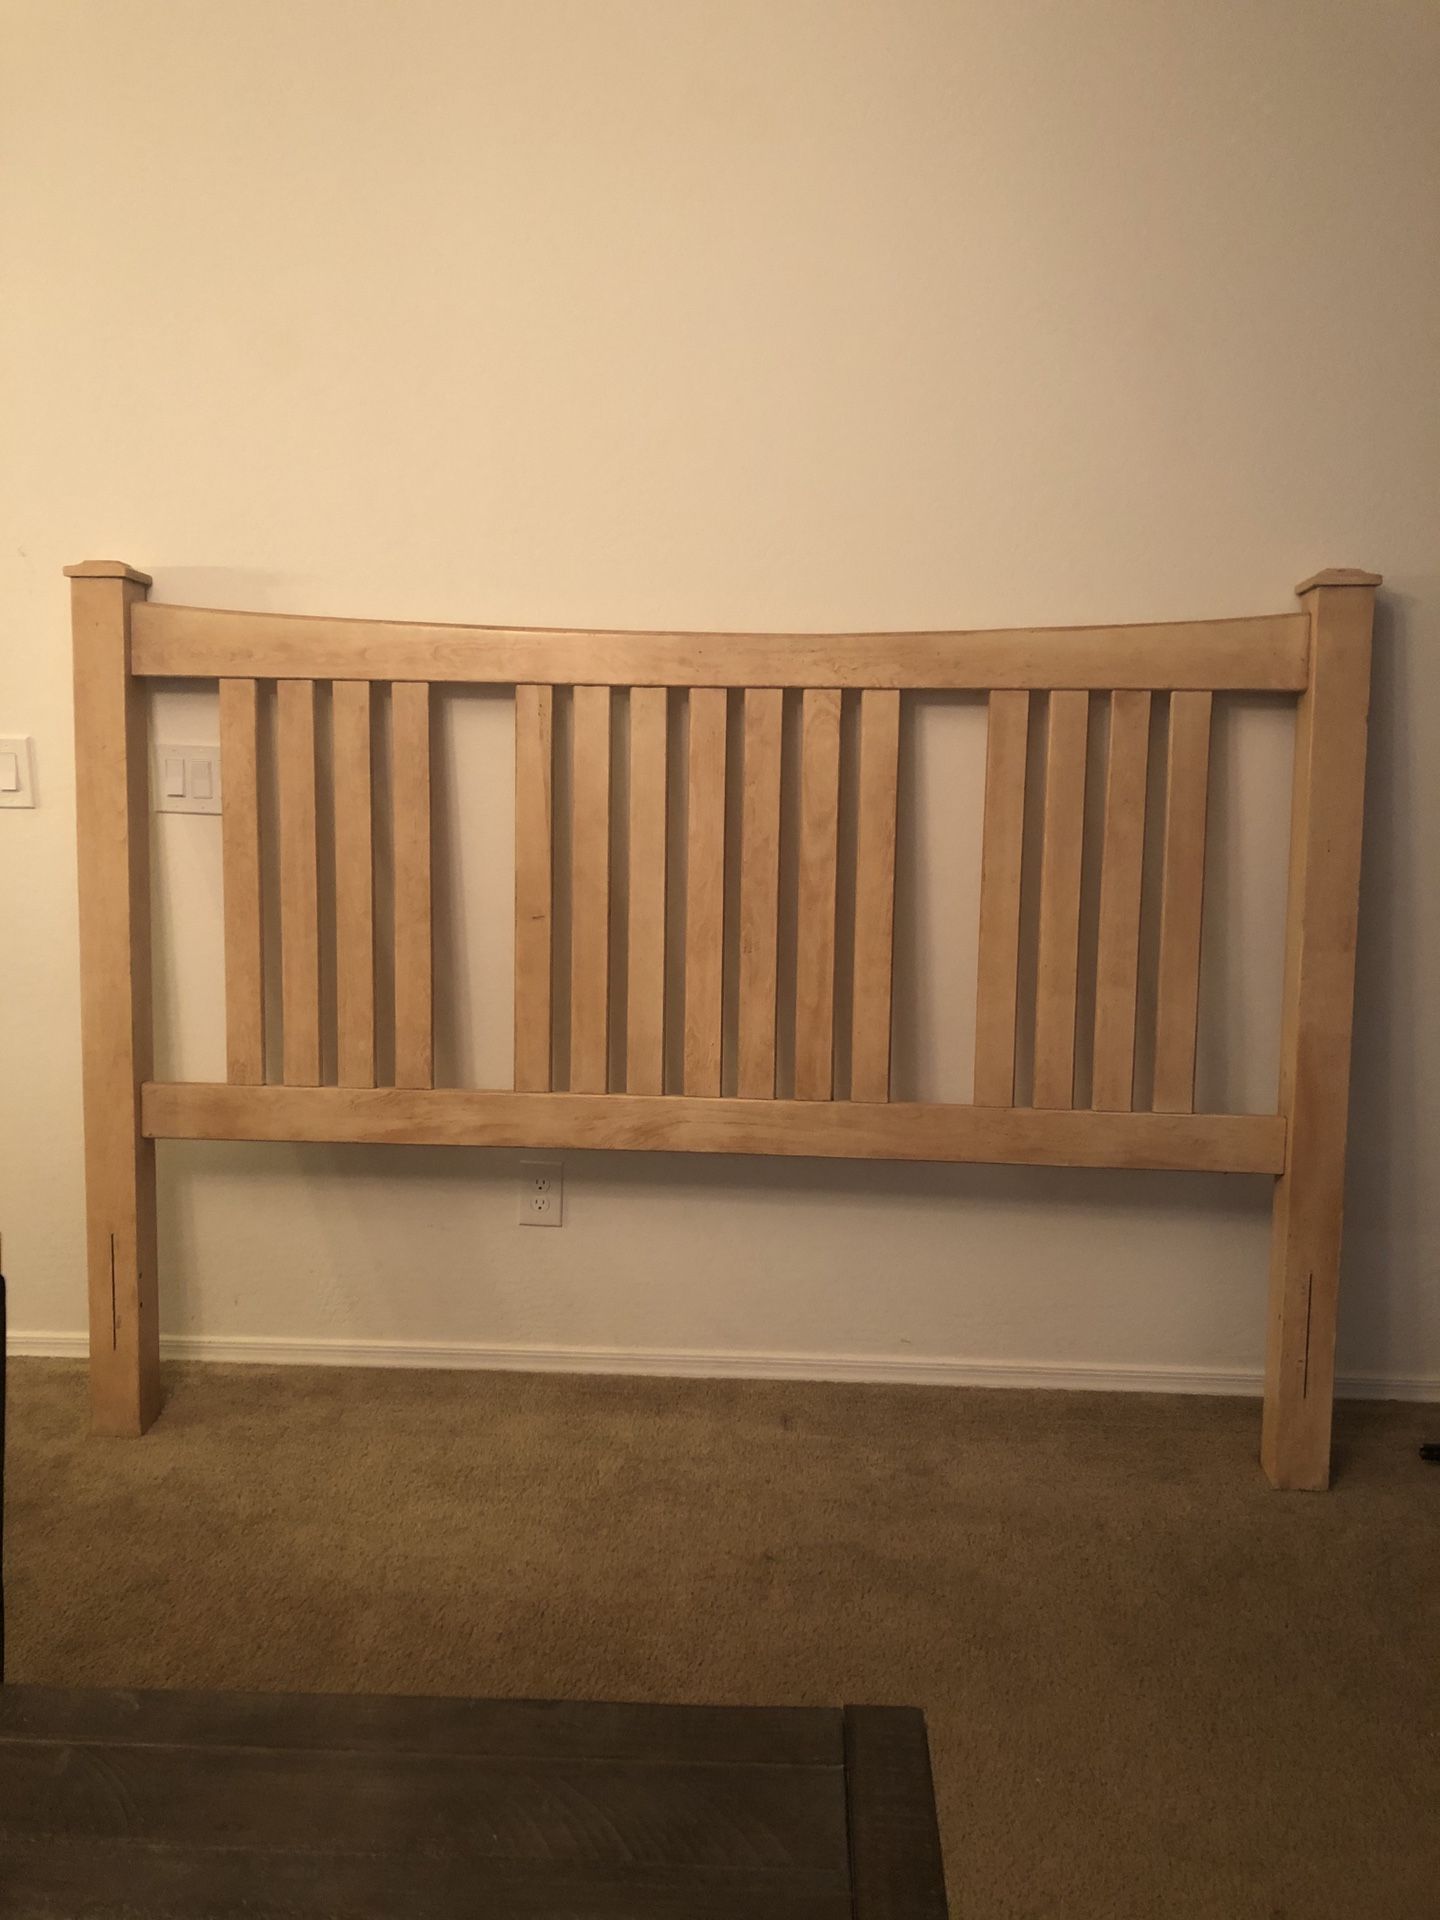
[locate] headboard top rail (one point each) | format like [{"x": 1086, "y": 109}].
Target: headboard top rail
[{"x": 1264, "y": 654}]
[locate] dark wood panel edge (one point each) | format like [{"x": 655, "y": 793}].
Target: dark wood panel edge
[
  {"x": 896, "y": 1869},
  {"x": 429, "y": 1724}
]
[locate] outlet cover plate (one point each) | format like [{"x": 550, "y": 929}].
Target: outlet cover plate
[{"x": 542, "y": 1194}]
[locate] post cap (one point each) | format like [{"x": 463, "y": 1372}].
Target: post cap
[
  {"x": 107, "y": 570},
  {"x": 1340, "y": 577}
]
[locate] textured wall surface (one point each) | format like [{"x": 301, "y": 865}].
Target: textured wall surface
[{"x": 758, "y": 316}]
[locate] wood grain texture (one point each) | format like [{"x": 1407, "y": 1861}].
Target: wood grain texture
[
  {"x": 705, "y": 890},
  {"x": 240, "y": 870},
  {"x": 590, "y": 892},
  {"x": 1263, "y": 654},
  {"x": 896, "y": 1872},
  {"x": 169, "y": 1882},
  {"x": 875, "y": 895},
  {"x": 1325, "y": 835},
  {"x": 815, "y": 901},
  {"x": 1001, "y": 860},
  {"x": 354, "y": 883},
  {"x": 759, "y": 893},
  {"x": 411, "y": 839},
  {"x": 534, "y": 885},
  {"x": 112, "y": 809},
  {"x": 1117, "y": 964},
  {"x": 429, "y": 1724},
  {"x": 1058, "y": 958},
  {"x": 195, "y": 1805},
  {"x": 649, "y": 846},
  {"x": 299, "y": 885},
  {"x": 1177, "y": 999},
  {"x": 672, "y": 1123},
  {"x": 470, "y": 1808}
]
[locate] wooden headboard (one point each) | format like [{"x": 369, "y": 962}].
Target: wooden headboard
[{"x": 1040, "y": 685}]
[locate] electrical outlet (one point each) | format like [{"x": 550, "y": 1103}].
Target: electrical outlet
[{"x": 542, "y": 1194}]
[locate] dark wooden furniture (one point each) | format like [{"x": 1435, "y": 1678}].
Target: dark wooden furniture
[{"x": 212, "y": 1806}]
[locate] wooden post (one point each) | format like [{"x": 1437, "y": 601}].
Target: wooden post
[
  {"x": 1325, "y": 832},
  {"x": 112, "y": 806}
]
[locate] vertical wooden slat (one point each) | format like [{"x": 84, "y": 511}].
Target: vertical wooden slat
[
  {"x": 645, "y": 980},
  {"x": 534, "y": 885},
  {"x": 112, "y": 803},
  {"x": 1325, "y": 834},
  {"x": 759, "y": 893},
  {"x": 1177, "y": 995},
  {"x": 705, "y": 890},
  {"x": 240, "y": 867},
  {"x": 1057, "y": 964},
  {"x": 354, "y": 883},
  {"x": 875, "y": 894},
  {"x": 590, "y": 892},
  {"x": 1000, "y": 869},
  {"x": 1118, "y": 958},
  {"x": 414, "y": 939},
  {"x": 815, "y": 906},
  {"x": 299, "y": 885}
]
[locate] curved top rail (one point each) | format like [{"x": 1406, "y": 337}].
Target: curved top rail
[{"x": 1267, "y": 653}]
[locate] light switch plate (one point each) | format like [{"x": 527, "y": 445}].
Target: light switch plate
[
  {"x": 17, "y": 772},
  {"x": 185, "y": 779}
]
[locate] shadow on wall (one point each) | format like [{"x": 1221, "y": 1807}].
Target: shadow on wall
[{"x": 1383, "y": 1169}]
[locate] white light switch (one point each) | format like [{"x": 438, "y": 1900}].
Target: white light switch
[
  {"x": 186, "y": 779},
  {"x": 17, "y": 774}
]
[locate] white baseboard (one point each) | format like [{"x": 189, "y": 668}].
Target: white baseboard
[{"x": 896, "y": 1369}]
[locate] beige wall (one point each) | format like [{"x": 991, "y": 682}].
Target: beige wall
[{"x": 751, "y": 313}]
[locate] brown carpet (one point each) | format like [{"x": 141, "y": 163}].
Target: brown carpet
[{"x": 1154, "y": 1688}]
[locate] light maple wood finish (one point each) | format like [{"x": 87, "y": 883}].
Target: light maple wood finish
[
  {"x": 675, "y": 1123},
  {"x": 590, "y": 892},
  {"x": 351, "y": 724},
  {"x": 299, "y": 885},
  {"x": 1058, "y": 954},
  {"x": 412, "y": 838},
  {"x": 1315, "y": 1045},
  {"x": 815, "y": 902},
  {"x": 1323, "y": 652},
  {"x": 1267, "y": 654},
  {"x": 534, "y": 885},
  {"x": 875, "y": 895},
  {"x": 1182, "y": 897},
  {"x": 112, "y": 810},
  {"x": 1122, "y": 857},
  {"x": 705, "y": 890},
  {"x": 118, "y": 570},
  {"x": 759, "y": 893},
  {"x": 649, "y": 846},
  {"x": 1001, "y": 860},
  {"x": 240, "y": 871}
]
